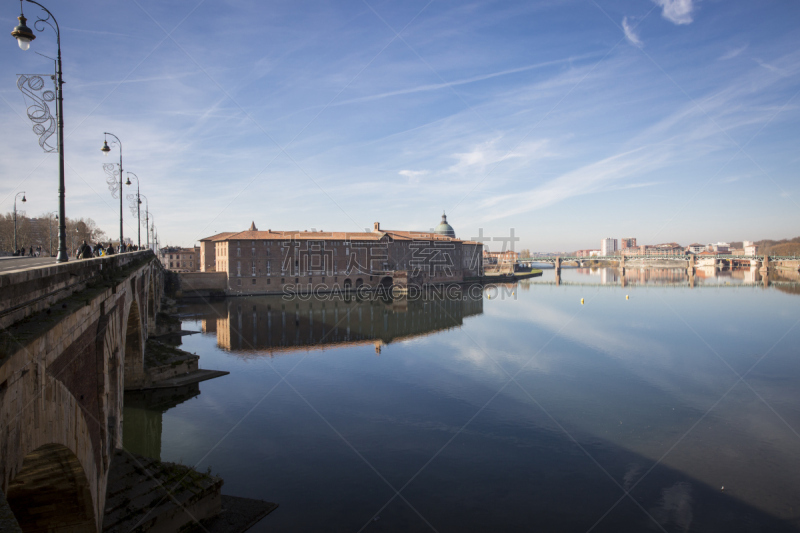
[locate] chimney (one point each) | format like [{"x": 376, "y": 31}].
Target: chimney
[{"x": 377, "y": 226}]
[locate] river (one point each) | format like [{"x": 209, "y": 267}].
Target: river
[{"x": 584, "y": 406}]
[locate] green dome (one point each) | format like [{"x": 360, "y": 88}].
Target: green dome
[{"x": 444, "y": 228}]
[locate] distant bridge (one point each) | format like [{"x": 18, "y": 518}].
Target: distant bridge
[
  {"x": 671, "y": 285},
  {"x": 71, "y": 340},
  {"x": 690, "y": 261},
  {"x": 665, "y": 257}
]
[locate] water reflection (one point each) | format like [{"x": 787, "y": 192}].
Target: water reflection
[
  {"x": 639, "y": 395},
  {"x": 679, "y": 276},
  {"x": 273, "y": 325},
  {"x": 143, "y": 413}
]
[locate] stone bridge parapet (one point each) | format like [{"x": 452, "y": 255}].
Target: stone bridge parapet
[{"x": 25, "y": 292}]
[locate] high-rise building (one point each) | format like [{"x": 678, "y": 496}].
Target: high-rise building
[
  {"x": 627, "y": 242},
  {"x": 608, "y": 246}
]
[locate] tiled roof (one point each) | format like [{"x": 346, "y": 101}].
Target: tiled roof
[{"x": 334, "y": 235}]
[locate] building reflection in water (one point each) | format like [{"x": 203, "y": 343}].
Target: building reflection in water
[
  {"x": 673, "y": 275},
  {"x": 143, "y": 411},
  {"x": 270, "y": 324}
]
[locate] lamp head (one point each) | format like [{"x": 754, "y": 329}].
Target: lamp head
[
  {"x": 128, "y": 182},
  {"x": 23, "y": 198},
  {"x": 22, "y": 33},
  {"x": 105, "y": 149}
]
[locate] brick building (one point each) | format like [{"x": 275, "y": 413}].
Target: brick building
[
  {"x": 180, "y": 259},
  {"x": 494, "y": 258},
  {"x": 263, "y": 262}
]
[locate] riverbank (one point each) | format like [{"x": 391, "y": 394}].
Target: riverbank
[{"x": 507, "y": 277}]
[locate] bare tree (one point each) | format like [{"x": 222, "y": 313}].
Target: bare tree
[{"x": 43, "y": 231}]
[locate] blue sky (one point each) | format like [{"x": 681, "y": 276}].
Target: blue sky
[{"x": 569, "y": 121}]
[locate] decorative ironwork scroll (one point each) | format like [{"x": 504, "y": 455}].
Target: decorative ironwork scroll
[
  {"x": 133, "y": 204},
  {"x": 112, "y": 175},
  {"x": 44, "y": 123}
]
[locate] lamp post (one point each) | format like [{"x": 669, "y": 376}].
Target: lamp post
[
  {"x": 138, "y": 210},
  {"x": 105, "y": 149},
  {"x": 153, "y": 232},
  {"x": 15, "y": 217},
  {"x": 146, "y": 217},
  {"x": 23, "y": 34}
]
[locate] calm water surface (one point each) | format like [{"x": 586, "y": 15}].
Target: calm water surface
[{"x": 526, "y": 411}]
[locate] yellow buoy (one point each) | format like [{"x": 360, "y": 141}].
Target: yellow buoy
[
  {"x": 490, "y": 296},
  {"x": 581, "y": 301},
  {"x": 627, "y": 297}
]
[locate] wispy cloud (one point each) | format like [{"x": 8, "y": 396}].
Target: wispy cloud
[
  {"x": 413, "y": 175},
  {"x": 474, "y": 79},
  {"x": 585, "y": 180},
  {"x": 630, "y": 34},
  {"x": 676, "y": 11},
  {"x": 487, "y": 154},
  {"x": 730, "y": 54}
]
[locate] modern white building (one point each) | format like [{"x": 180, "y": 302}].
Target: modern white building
[
  {"x": 720, "y": 247},
  {"x": 696, "y": 248},
  {"x": 750, "y": 248},
  {"x": 608, "y": 246}
]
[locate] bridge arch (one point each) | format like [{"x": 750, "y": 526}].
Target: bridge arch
[
  {"x": 52, "y": 493},
  {"x": 46, "y": 427},
  {"x": 133, "y": 353}
]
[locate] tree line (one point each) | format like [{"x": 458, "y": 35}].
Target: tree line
[{"x": 43, "y": 231}]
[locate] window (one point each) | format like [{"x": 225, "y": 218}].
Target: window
[
  {"x": 297, "y": 280},
  {"x": 239, "y": 282},
  {"x": 239, "y": 268},
  {"x": 283, "y": 280},
  {"x": 254, "y": 281},
  {"x": 323, "y": 279},
  {"x": 238, "y": 252},
  {"x": 310, "y": 280},
  {"x": 268, "y": 280}
]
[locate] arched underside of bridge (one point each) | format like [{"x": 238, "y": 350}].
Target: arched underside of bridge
[
  {"x": 134, "y": 350},
  {"x": 51, "y": 493},
  {"x": 49, "y": 455}
]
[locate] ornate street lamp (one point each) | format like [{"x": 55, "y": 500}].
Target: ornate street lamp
[
  {"x": 15, "y": 215},
  {"x": 138, "y": 209},
  {"x": 31, "y": 85},
  {"x": 111, "y": 180},
  {"x": 146, "y": 217}
]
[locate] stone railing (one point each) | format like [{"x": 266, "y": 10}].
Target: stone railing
[{"x": 25, "y": 292}]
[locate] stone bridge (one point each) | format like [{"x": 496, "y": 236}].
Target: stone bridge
[{"x": 71, "y": 340}]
